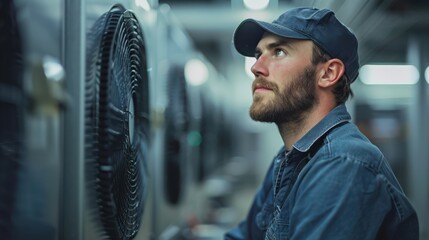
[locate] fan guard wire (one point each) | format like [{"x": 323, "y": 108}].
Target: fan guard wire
[{"x": 116, "y": 110}]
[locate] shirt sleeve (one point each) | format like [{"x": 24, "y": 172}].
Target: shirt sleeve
[
  {"x": 248, "y": 229},
  {"x": 343, "y": 199}
]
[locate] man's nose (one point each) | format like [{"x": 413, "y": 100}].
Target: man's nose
[{"x": 260, "y": 67}]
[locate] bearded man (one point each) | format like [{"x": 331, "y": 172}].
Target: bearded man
[{"x": 328, "y": 181}]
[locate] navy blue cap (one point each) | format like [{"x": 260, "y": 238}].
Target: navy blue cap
[{"x": 320, "y": 26}]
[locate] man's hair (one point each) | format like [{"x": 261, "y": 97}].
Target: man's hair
[{"x": 342, "y": 90}]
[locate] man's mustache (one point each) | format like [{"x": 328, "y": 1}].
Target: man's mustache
[{"x": 261, "y": 82}]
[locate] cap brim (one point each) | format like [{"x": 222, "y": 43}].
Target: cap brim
[{"x": 250, "y": 31}]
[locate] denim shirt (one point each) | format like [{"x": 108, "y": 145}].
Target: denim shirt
[{"x": 333, "y": 184}]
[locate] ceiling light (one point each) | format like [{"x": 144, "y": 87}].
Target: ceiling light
[
  {"x": 143, "y": 4},
  {"x": 389, "y": 74},
  {"x": 256, "y": 4},
  {"x": 196, "y": 72},
  {"x": 53, "y": 69}
]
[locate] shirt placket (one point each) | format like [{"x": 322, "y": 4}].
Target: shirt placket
[{"x": 283, "y": 164}]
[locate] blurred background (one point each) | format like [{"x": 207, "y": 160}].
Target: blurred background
[{"x": 128, "y": 119}]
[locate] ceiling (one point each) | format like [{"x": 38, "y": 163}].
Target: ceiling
[{"x": 383, "y": 27}]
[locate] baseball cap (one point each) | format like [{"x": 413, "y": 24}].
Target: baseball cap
[{"x": 319, "y": 25}]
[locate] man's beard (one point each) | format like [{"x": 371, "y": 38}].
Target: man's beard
[{"x": 289, "y": 106}]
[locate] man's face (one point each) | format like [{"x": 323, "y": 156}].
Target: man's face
[{"x": 284, "y": 85}]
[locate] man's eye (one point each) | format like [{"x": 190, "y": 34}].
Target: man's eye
[{"x": 279, "y": 52}]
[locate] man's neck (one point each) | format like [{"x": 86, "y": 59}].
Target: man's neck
[{"x": 292, "y": 132}]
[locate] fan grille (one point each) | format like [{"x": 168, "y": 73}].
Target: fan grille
[
  {"x": 177, "y": 124},
  {"x": 117, "y": 122}
]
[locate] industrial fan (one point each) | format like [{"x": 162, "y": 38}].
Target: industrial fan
[
  {"x": 177, "y": 123},
  {"x": 11, "y": 112},
  {"x": 117, "y": 122}
]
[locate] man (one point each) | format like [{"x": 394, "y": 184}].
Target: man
[{"x": 328, "y": 181}]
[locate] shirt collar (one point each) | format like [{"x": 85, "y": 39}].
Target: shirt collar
[{"x": 337, "y": 116}]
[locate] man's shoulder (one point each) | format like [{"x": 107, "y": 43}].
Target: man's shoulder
[{"x": 348, "y": 142}]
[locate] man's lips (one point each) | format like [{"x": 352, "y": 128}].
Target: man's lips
[{"x": 261, "y": 88}]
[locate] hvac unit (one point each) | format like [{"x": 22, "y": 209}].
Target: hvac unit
[
  {"x": 117, "y": 122},
  {"x": 12, "y": 108}
]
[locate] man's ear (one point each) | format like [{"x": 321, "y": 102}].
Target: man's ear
[{"x": 333, "y": 69}]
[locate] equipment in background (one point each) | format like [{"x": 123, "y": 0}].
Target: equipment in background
[
  {"x": 12, "y": 107},
  {"x": 117, "y": 122}
]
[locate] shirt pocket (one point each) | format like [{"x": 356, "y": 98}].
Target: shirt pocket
[
  {"x": 265, "y": 216},
  {"x": 278, "y": 227}
]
